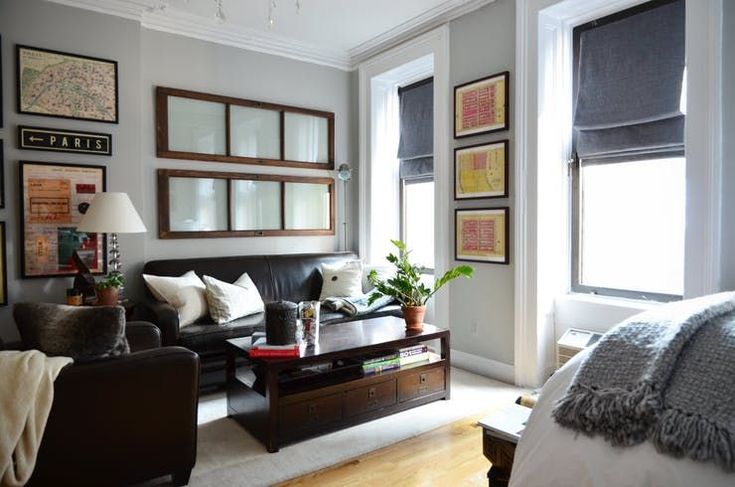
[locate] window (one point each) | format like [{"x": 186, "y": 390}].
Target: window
[
  {"x": 415, "y": 152},
  {"x": 628, "y": 166}
]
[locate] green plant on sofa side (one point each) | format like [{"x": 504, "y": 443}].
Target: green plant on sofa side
[{"x": 407, "y": 288}]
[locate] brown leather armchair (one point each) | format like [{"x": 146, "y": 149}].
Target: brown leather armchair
[{"x": 123, "y": 420}]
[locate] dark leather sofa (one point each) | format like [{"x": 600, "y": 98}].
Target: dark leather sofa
[
  {"x": 292, "y": 277},
  {"x": 123, "y": 420}
]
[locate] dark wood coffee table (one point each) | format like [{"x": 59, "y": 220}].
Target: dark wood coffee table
[{"x": 278, "y": 411}]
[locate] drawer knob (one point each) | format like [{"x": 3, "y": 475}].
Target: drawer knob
[
  {"x": 371, "y": 392},
  {"x": 311, "y": 409},
  {"x": 423, "y": 379}
]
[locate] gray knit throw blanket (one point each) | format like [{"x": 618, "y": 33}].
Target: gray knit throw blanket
[{"x": 667, "y": 375}]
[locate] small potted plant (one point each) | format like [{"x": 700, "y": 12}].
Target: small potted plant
[
  {"x": 108, "y": 289},
  {"x": 407, "y": 288}
]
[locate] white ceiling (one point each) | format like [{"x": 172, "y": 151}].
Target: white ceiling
[{"x": 338, "y": 33}]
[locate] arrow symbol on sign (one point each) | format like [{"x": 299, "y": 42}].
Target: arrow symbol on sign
[{"x": 35, "y": 139}]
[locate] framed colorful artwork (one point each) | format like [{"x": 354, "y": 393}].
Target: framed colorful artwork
[
  {"x": 59, "y": 84},
  {"x": 3, "y": 268},
  {"x": 481, "y": 235},
  {"x": 481, "y": 171},
  {"x": 481, "y": 106},
  {"x": 54, "y": 199}
]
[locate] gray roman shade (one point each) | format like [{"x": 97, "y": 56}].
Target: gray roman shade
[
  {"x": 416, "y": 146},
  {"x": 629, "y": 83}
]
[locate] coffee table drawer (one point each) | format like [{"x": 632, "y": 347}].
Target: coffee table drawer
[
  {"x": 310, "y": 413},
  {"x": 420, "y": 383},
  {"x": 369, "y": 398}
]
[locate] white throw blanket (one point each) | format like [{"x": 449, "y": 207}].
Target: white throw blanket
[{"x": 26, "y": 395}]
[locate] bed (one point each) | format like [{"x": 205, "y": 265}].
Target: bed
[{"x": 549, "y": 455}]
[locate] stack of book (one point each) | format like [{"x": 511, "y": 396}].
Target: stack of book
[
  {"x": 384, "y": 362},
  {"x": 261, "y": 349},
  {"x": 415, "y": 354}
]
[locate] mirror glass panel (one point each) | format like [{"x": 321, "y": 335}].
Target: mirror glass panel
[
  {"x": 255, "y": 132},
  {"x": 196, "y": 126},
  {"x": 306, "y": 138},
  {"x": 197, "y": 204},
  {"x": 256, "y": 205},
  {"x": 307, "y": 206}
]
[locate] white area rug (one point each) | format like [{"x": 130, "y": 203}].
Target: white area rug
[{"x": 229, "y": 456}]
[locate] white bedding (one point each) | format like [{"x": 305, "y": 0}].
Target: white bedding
[{"x": 549, "y": 455}]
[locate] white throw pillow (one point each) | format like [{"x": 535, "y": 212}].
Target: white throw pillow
[
  {"x": 384, "y": 272},
  {"x": 228, "y": 302},
  {"x": 341, "y": 280},
  {"x": 185, "y": 293}
]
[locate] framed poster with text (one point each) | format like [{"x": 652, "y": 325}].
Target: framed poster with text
[
  {"x": 59, "y": 84},
  {"x": 54, "y": 199},
  {"x": 481, "y": 106},
  {"x": 481, "y": 171},
  {"x": 481, "y": 235}
]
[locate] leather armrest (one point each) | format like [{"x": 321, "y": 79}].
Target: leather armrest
[
  {"x": 165, "y": 317},
  {"x": 142, "y": 335},
  {"x": 133, "y": 415}
]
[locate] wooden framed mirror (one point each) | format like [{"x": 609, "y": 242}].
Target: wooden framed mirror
[
  {"x": 201, "y": 126},
  {"x": 207, "y": 204}
]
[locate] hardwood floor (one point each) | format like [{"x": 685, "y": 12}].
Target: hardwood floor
[{"x": 449, "y": 455}]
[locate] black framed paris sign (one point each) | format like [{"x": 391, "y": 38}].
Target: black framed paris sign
[{"x": 57, "y": 140}]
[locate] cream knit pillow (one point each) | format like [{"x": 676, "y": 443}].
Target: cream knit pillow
[
  {"x": 229, "y": 302},
  {"x": 341, "y": 280},
  {"x": 185, "y": 293}
]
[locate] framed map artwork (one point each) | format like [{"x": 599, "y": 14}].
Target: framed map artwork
[
  {"x": 481, "y": 171},
  {"x": 481, "y": 106},
  {"x": 58, "y": 84},
  {"x": 54, "y": 199},
  {"x": 481, "y": 235}
]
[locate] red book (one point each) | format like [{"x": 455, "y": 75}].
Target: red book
[{"x": 256, "y": 352}]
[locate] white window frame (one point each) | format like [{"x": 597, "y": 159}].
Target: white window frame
[
  {"x": 543, "y": 138},
  {"x": 404, "y": 183}
]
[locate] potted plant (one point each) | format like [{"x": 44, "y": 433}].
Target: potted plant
[
  {"x": 108, "y": 289},
  {"x": 407, "y": 288}
]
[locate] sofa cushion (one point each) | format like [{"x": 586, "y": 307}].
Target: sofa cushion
[
  {"x": 206, "y": 336},
  {"x": 228, "y": 302}
]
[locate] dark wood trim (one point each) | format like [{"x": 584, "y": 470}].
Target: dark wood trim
[
  {"x": 505, "y": 194},
  {"x": 162, "y": 126},
  {"x": 164, "y": 223},
  {"x": 2, "y": 174},
  {"x": 505, "y": 74},
  {"x": 282, "y": 135},
  {"x": 228, "y": 131},
  {"x": 507, "y": 235},
  {"x": 4, "y": 261},
  {"x": 18, "y": 47},
  {"x": 21, "y": 208}
]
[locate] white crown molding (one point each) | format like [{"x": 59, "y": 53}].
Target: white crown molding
[
  {"x": 181, "y": 23},
  {"x": 441, "y": 14}
]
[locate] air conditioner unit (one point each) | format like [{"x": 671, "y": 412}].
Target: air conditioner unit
[{"x": 572, "y": 342}]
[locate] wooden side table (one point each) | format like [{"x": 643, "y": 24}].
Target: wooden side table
[{"x": 500, "y": 434}]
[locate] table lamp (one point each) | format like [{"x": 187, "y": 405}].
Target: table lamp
[{"x": 112, "y": 213}]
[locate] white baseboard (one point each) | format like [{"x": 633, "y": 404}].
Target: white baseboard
[{"x": 483, "y": 366}]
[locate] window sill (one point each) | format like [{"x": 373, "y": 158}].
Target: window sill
[{"x": 609, "y": 301}]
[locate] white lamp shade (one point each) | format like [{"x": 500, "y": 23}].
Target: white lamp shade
[{"x": 111, "y": 213}]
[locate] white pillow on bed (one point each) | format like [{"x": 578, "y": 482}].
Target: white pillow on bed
[
  {"x": 185, "y": 293},
  {"x": 341, "y": 280},
  {"x": 229, "y": 302}
]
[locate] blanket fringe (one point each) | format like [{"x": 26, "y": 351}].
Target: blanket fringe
[
  {"x": 680, "y": 434},
  {"x": 624, "y": 418}
]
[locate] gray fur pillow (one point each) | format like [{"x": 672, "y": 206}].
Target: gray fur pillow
[{"x": 83, "y": 333}]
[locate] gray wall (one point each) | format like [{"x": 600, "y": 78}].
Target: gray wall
[
  {"x": 146, "y": 59},
  {"x": 728, "y": 152},
  {"x": 481, "y": 309}
]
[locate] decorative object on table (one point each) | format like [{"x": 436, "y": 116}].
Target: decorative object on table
[
  {"x": 55, "y": 197},
  {"x": 3, "y": 268},
  {"x": 407, "y": 288},
  {"x": 64, "y": 85},
  {"x": 481, "y": 171},
  {"x": 108, "y": 289},
  {"x": 280, "y": 322},
  {"x": 309, "y": 317},
  {"x": 481, "y": 235},
  {"x": 2, "y": 172},
  {"x": 112, "y": 213},
  {"x": 84, "y": 280},
  {"x": 75, "y": 141},
  {"x": 344, "y": 174},
  {"x": 262, "y": 349},
  {"x": 481, "y": 106},
  {"x": 74, "y": 297}
]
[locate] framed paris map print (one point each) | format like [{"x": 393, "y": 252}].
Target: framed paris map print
[
  {"x": 481, "y": 235},
  {"x": 481, "y": 171},
  {"x": 58, "y": 84},
  {"x": 481, "y": 106},
  {"x": 54, "y": 198}
]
